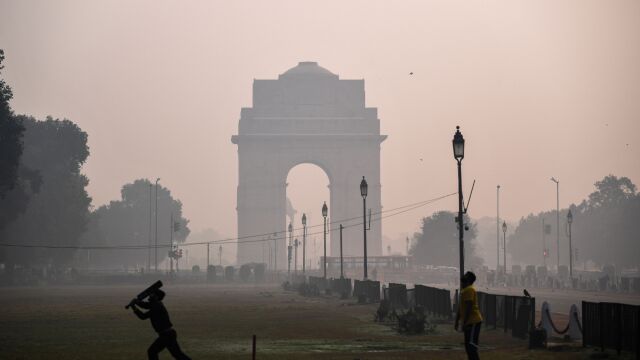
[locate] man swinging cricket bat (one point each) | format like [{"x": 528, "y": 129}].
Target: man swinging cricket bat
[{"x": 167, "y": 336}]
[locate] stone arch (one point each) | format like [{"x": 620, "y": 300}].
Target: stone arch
[
  {"x": 308, "y": 115},
  {"x": 307, "y": 188},
  {"x": 314, "y": 162}
]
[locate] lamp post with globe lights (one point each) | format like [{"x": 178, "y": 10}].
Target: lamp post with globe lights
[
  {"x": 458, "y": 154},
  {"x": 304, "y": 242},
  {"x": 156, "y": 241},
  {"x": 289, "y": 249},
  {"x": 504, "y": 247},
  {"x": 325, "y": 211},
  {"x": 363, "y": 192},
  {"x": 570, "y": 221},
  {"x": 295, "y": 256},
  {"x": 557, "y": 218},
  {"x": 497, "y": 229}
]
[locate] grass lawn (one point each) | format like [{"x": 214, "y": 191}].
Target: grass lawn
[{"x": 218, "y": 321}]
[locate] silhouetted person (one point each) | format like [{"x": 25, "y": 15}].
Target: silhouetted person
[
  {"x": 469, "y": 311},
  {"x": 167, "y": 337}
]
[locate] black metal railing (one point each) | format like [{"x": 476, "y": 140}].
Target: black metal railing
[
  {"x": 397, "y": 296},
  {"x": 368, "y": 290},
  {"x": 510, "y": 313},
  {"x": 341, "y": 286},
  {"x": 611, "y": 326},
  {"x": 434, "y": 301}
]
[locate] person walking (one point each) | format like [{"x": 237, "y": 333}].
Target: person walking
[
  {"x": 469, "y": 311},
  {"x": 159, "y": 316}
]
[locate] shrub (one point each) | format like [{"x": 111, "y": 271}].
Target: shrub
[{"x": 414, "y": 322}]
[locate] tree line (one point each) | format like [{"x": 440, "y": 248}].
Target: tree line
[
  {"x": 437, "y": 243},
  {"x": 602, "y": 232},
  {"x": 44, "y": 202}
]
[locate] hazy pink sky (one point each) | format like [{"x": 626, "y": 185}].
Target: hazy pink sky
[{"x": 540, "y": 89}]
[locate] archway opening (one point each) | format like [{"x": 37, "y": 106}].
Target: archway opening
[{"x": 307, "y": 190}]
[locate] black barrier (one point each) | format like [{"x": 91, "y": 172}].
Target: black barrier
[
  {"x": 612, "y": 326},
  {"x": 319, "y": 282},
  {"x": 436, "y": 302},
  {"x": 341, "y": 286},
  {"x": 211, "y": 273},
  {"x": 229, "y": 273},
  {"x": 411, "y": 298},
  {"x": 367, "y": 289},
  {"x": 397, "y": 296},
  {"x": 510, "y": 313},
  {"x": 488, "y": 308},
  {"x": 297, "y": 279}
]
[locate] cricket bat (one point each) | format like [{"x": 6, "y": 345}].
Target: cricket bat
[{"x": 156, "y": 285}]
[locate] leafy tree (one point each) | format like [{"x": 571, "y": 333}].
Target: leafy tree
[
  {"x": 58, "y": 214},
  {"x": 126, "y": 222},
  {"x": 438, "y": 243},
  {"x": 17, "y": 182},
  {"x": 603, "y": 228},
  {"x": 10, "y": 138},
  {"x": 525, "y": 245},
  {"x": 16, "y": 200},
  {"x": 611, "y": 191}
]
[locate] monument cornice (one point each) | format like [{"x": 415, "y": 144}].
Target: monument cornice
[{"x": 236, "y": 139}]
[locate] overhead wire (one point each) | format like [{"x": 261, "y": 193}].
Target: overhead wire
[{"x": 377, "y": 216}]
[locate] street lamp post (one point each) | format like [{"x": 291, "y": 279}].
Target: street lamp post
[
  {"x": 295, "y": 256},
  {"x": 270, "y": 264},
  {"x": 557, "y": 217},
  {"x": 325, "y": 211},
  {"x": 171, "y": 249},
  {"x": 341, "y": 268},
  {"x": 150, "y": 224},
  {"x": 407, "y": 241},
  {"x": 289, "y": 251},
  {"x": 220, "y": 255},
  {"x": 544, "y": 243},
  {"x": 275, "y": 253},
  {"x": 363, "y": 193},
  {"x": 497, "y": 229},
  {"x": 570, "y": 221},
  {"x": 304, "y": 243},
  {"x": 504, "y": 247},
  {"x": 156, "y": 241},
  {"x": 458, "y": 154}
]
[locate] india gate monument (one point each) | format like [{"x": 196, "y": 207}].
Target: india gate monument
[{"x": 308, "y": 115}]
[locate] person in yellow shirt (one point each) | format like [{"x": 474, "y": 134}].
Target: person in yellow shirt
[{"x": 470, "y": 313}]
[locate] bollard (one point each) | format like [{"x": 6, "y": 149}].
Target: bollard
[
  {"x": 253, "y": 347},
  {"x": 545, "y": 321},
  {"x": 574, "y": 328}
]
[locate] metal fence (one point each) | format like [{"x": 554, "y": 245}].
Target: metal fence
[
  {"x": 319, "y": 282},
  {"x": 510, "y": 313},
  {"x": 397, "y": 295},
  {"x": 340, "y": 286},
  {"x": 369, "y": 290},
  {"x": 612, "y": 326},
  {"x": 436, "y": 302},
  {"x": 515, "y": 313}
]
